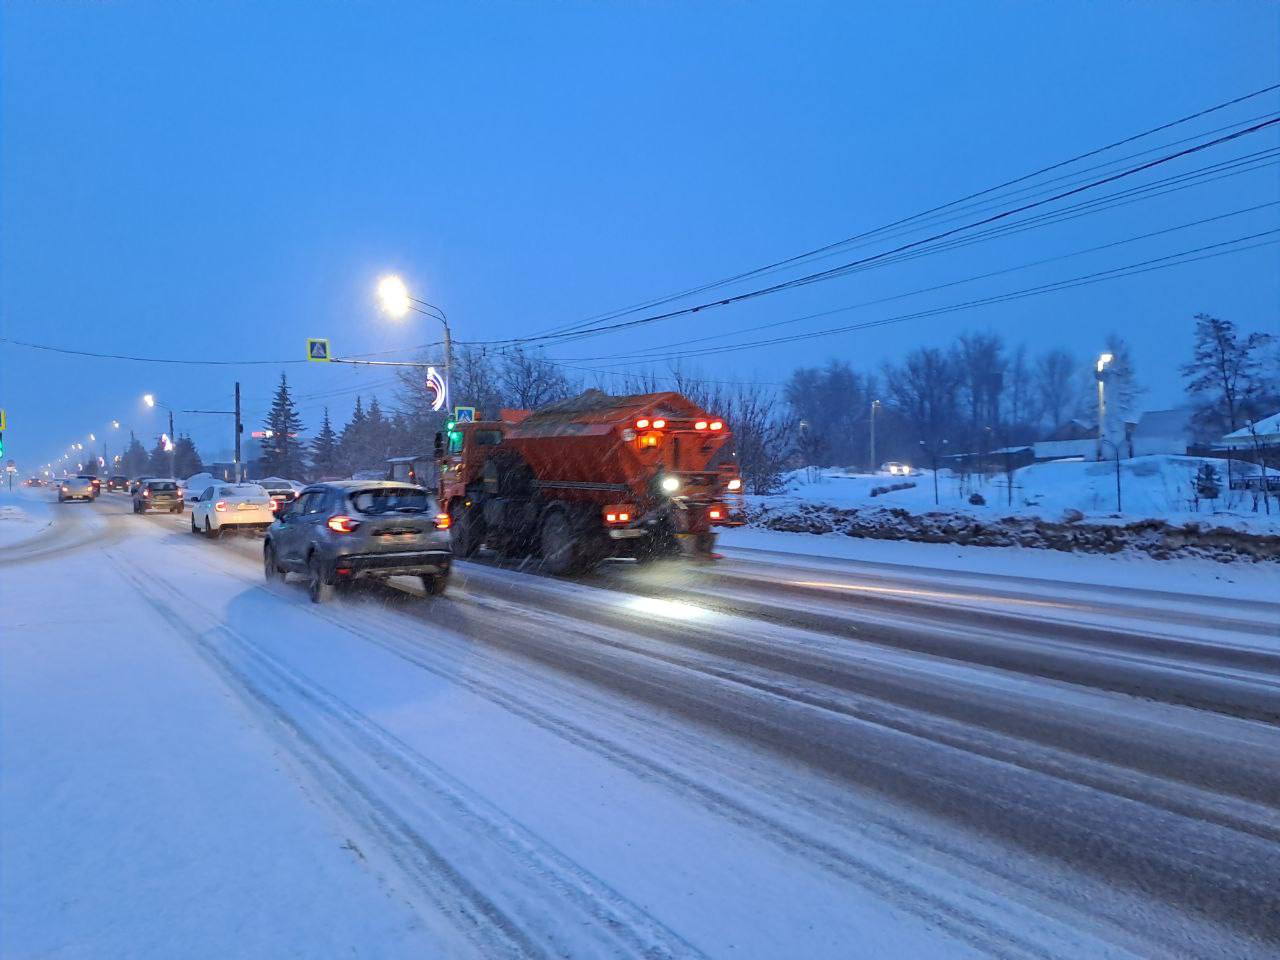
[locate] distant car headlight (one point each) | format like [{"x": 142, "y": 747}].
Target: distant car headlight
[{"x": 670, "y": 484}]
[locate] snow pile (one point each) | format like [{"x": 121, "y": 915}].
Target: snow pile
[
  {"x": 1151, "y": 488},
  {"x": 21, "y": 518},
  {"x": 1156, "y": 538}
]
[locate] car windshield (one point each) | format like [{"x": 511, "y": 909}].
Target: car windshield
[
  {"x": 392, "y": 500},
  {"x": 162, "y": 486},
  {"x": 242, "y": 490}
]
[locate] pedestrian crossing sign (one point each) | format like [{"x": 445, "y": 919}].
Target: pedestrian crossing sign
[
  {"x": 318, "y": 349},
  {"x": 464, "y": 414}
]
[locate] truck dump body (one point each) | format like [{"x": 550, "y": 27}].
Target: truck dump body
[
  {"x": 609, "y": 476},
  {"x": 590, "y": 447}
]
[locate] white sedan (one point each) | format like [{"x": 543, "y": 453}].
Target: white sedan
[{"x": 230, "y": 505}]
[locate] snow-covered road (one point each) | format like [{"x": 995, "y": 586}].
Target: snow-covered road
[{"x": 768, "y": 757}]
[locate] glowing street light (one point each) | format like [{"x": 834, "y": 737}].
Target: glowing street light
[
  {"x": 149, "y": 399},
  {"x": 396, "y": 302},
  {"x": 92, "y": 438},
  {"x": 1103, "y": 360},
  {"x": 394, "y": 296}
]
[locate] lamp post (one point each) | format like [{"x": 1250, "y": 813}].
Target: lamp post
[
  {"x": 396, "y": 302},
  {"x": 1100, "y": 373},
  {"x": 1116, "y": 448},
  {"x": 150, "y": 400},
  {"x": 875, "y": 407}
]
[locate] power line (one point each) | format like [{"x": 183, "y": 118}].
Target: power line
[
  {"x": 665, "y": 349},
  {"x": 648, "y": 304},
  {"x": 840, "y": 270},
  {"x": 1189, "y": 256}
]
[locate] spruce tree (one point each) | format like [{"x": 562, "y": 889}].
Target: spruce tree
[
  {"x": 186, "y": 457},
  {"x": 283, "y": 451},
  {"x": 326, "y": 461},
  {"x": 134, "y": 462},
  {"x": 351, "y": 444}
]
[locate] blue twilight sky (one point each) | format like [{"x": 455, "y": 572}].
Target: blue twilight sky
[{"x": 222, "y": 180}]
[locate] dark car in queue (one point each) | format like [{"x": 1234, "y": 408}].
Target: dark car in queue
[
  {"x": 281, "y": 494},
  {"x": 156, "y": 494},
  {"x": 339, "y": 533},
  {"x": 94, "y": 482},
  {"x": 118, "y": 484}
]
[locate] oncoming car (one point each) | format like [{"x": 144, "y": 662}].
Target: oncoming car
[
  {"x": 75, "y": 488},
  {"x": 223, "y": 505},
  {"x": 349, "y": 530},
  {"x": 896, "y": 469}
]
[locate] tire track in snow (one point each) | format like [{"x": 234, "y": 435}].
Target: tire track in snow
[{"x": 554, "y": 908}]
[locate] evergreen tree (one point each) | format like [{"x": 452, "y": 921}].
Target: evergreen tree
[
  {"x": 134, "y": 463},
  {"x": 283, "y": 452},
  {"x": 186, "y": 457},
  {"x": 377, "y": 435},
  {"x": 1225, "y": 377},
  {"x": 159, "y": 462},
  {"x": 326, "y": 460},
  {"x": 351, "y": 444}
]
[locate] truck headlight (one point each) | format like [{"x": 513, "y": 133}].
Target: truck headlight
[{"x": 670, "y": 484}]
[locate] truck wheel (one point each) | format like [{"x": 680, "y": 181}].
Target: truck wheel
[
  {"x": 465, "y": 531},
  {"x": 559, "y": 550}
]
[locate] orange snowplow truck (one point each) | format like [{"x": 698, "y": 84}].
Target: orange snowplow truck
[{"x": 589, "y": 478}]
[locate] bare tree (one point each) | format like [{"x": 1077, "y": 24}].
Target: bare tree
[
  {"x": 762, "y": 437},
  {"x": 1022, "y": 404},
  {"x": 528, "y": 380},
  {"x": 1225, "y": 375},
  {"x": 1055, "y": 374},
  {"x": 924, "y": 394},
  {"x": 980, "y": 360}
]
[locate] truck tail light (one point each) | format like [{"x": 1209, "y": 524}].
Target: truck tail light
[
  {"x": 617, "y": 513},
  {"x": 642, "y": 424},
  {"x": 221, "y": 506},
  {"x": 342, "y": 524},
  {"x": 717, "y": 425},
  {"x": 443, "y": 521},
  {"x": 700, "y": 425},
  {"x": 717, "y": 512},
  {"x": 659, "y": 424},
  {"x": 648, "y": 440}
]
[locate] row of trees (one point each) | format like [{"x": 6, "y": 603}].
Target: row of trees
[{"x": 979, "y": 393}]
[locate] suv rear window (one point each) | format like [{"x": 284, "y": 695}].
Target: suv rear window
[
  {"x": 162, "y": 486},
  {"x": 392, "y": 500}
]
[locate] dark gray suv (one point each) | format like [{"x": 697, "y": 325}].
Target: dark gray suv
[{"x": 349, "y": 530}]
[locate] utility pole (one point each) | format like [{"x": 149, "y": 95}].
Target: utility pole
[
  {"x": 1103, "y": 360},
  {"x": 239, "y": 430},
  {"x": 448, "y": 367},
  {"x": 875, "y": 405},
  {"x": 173, "y": 449}
]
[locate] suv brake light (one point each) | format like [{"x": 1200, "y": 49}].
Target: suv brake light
[
  {"x": 443, "y": 520},
  {"x": 342, "y": 524},
  {"x": 221, "y": 506}
]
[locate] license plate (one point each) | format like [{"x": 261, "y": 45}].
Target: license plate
[{"x": 247, "y": 506}]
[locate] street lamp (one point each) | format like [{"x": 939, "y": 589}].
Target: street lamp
[
  {"x": 875, "y": 408},
  {"x": 393, "y": 294},
  {"x": 1101, "y": 367},
  {"x": 150, "y": 400}
]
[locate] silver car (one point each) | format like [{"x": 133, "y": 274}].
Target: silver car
[
  {"x": 349, "y": 530},
  {"x": 75, "y": 488}
]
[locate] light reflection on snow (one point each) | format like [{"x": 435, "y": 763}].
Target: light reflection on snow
[
  {"x": 671, "y": 609},
  {"x": 933, "y": 594}
]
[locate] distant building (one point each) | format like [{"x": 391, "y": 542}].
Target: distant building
[{"x": 1161, "y": 431}]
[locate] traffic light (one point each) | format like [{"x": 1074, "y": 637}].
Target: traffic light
[{"x": 1, "y": 445}]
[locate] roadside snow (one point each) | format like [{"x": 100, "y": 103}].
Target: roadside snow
[
  {"x": 1237, "y": 581},
  {"x": 23, "y": 515},
  {"x": 1150, "y": 487}
]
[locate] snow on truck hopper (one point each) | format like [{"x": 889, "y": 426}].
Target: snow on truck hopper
[{"x": 589, "y": 478}]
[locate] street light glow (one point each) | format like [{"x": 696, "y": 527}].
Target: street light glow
[
  {"x": 115, "y": 424},
  {"x": 92, "y": 438},
  {"x": 149, "y": 399},
  {"x": 1103, "y": 360},
  {"x": 394, "y": 295}
]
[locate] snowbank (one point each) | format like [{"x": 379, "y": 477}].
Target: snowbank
[
  {"x": 1153, "y": 487},
  {"x": 23, "y": 516},
  {"x": 1061, "y": 505}
]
